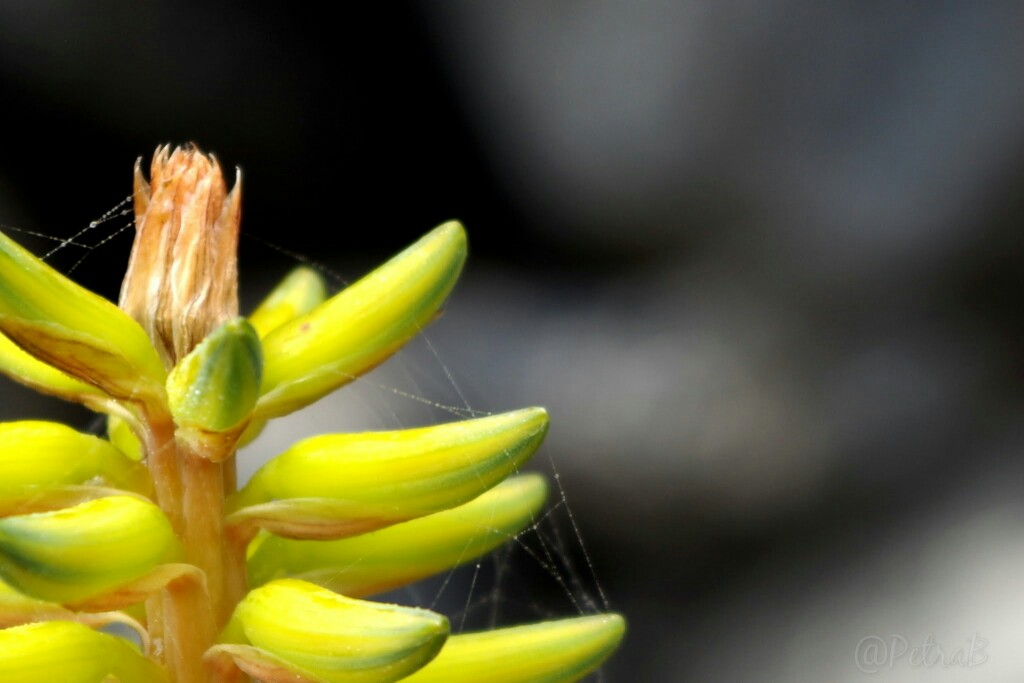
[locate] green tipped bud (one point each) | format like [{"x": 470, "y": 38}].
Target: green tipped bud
[
  {"x": 82, "y": 553},
  {"x": 341, "y": 485},
  {"x": 71, "y": 653},
  {"x": 72, "y": 329},
  {"x": 298, "y": 294},
  {"x": 295, "y": 631},
  {"x": 550, "y": 652},
  {"x": 212, "y": 391},
  {"x": 393, "y": 557},
  {"x": 358, "y": 328},
  {"x": 38, "y": 455}
]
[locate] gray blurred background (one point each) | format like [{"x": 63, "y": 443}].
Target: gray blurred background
[{"x": 760, "y": 260}]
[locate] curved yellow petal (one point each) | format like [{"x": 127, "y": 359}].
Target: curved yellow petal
[
  {"x": 297, "y": 294},
  {"x": 70, "y": 328},
  {"x": 70, "y": 653},
  {"x": 84, "y": 552},
  {"x": 549, "y": 652},
  {"x": 46, "y": 454},
  {"x": 26, "y": 369},
  {"x": 358, "y": 328},
  {"x": 340, "y": 485},
  {"x": 120, "y": 433},
  {"x": 296, "y": 631},
  {"x": 392, "y": 557}
]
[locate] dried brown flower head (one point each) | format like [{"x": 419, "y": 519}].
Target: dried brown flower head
[{"x": 182, "y": 278}]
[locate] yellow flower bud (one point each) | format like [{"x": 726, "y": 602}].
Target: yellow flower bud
[
  {"x": 560, "y": 651},
  {"x": 68, "y": 327},
  {"x": 361, "y": 326},
  {"x": 340, "y": 485},
  {"x": 389, "y": 558},
  {"x": 71, "y": 653},
  {"x": 81, "y": 553},
  {"x": 298, "y": 294},
  {"x": 39, "y": 455},
  {"x": 296, "y": 631}
]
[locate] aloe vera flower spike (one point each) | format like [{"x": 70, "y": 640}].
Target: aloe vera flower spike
[{"x": 270, "y": 581}]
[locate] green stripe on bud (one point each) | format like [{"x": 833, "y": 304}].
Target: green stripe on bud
[
  {"x": 78, "y": 332},
  {"x": 298, "y": 294},
  {"x": 340, "y": 485},
  {"x": 393, "y": 557},
  {"x": 550, "y": 652},
  {"x": 81, "y": 553},
  {"x": 212, "y": 391},
  {"x": 71, "y": 653},
  {"x": 296, "y": 631},
  {"x": 35, "y": 454},
  {"x": 358, "y": 328}
]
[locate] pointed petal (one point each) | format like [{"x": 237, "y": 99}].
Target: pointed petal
[
  {"x": 340, "y": 485},
  {"x": 550, "y": 652},
  {"x": 398, "y": 555},
  {"x": 213, "y": 390},
  {"x": 70, "y": 653},
  {"x": 362, "y": 325},
  {"x": 86, "y": 551},
  {"x": 298, "y": 294},
  {"x": 74, "y": 330},
  {"x": 295, "y": 631},
  {"x": 46, "y": 454}
]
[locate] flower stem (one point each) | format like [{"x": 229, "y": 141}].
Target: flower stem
[{"x": 191, "y": 490}]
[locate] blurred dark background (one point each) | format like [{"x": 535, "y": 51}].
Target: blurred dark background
[{"x": 762, "y": 261}]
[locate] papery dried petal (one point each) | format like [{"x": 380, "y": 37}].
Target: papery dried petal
[{"x": 182, "y": 279}]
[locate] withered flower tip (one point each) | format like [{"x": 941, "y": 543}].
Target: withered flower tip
[{"x": 182, "y": 279}]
